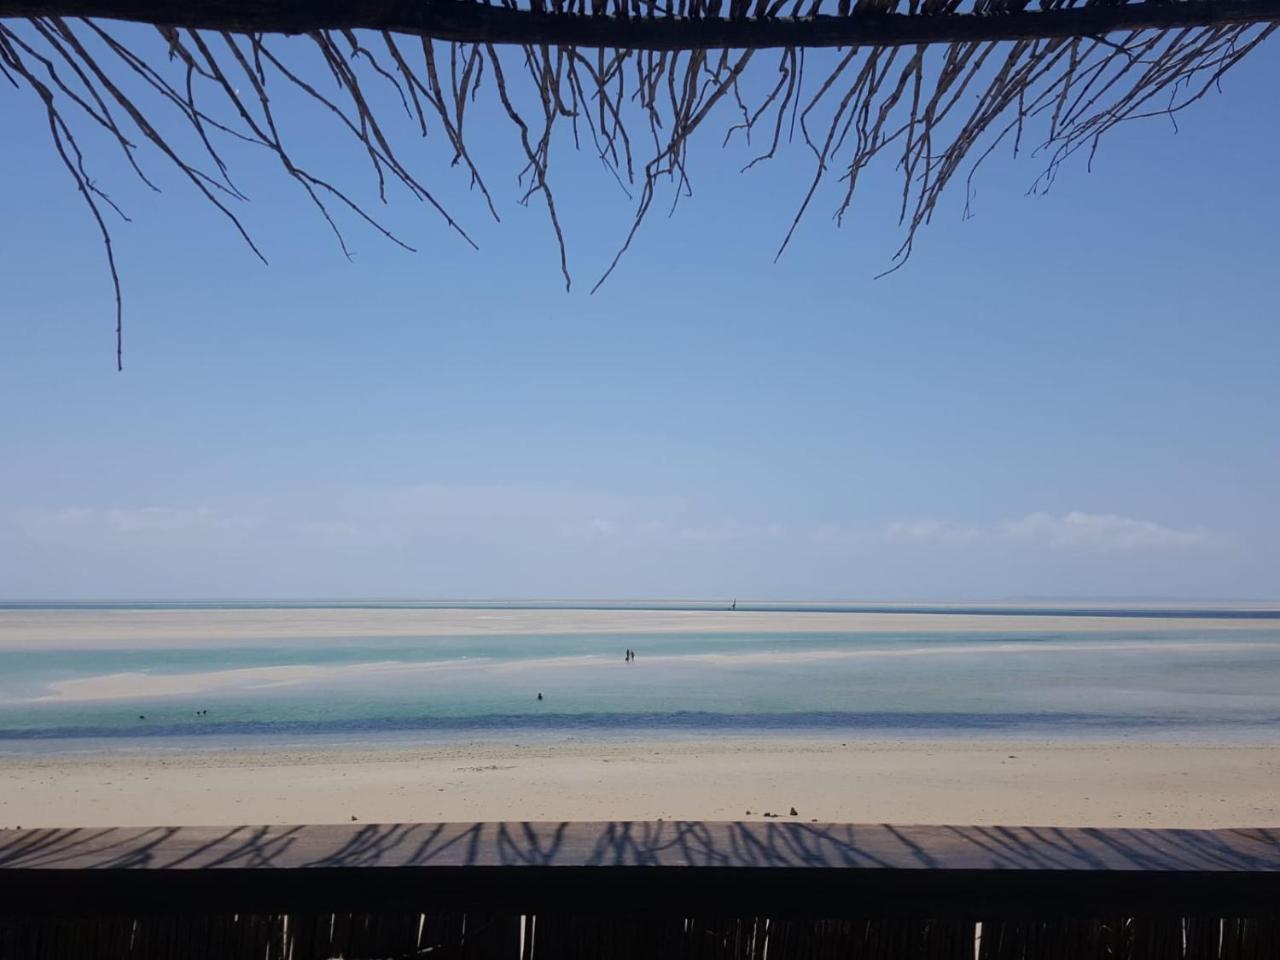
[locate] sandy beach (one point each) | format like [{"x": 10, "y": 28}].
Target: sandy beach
[
  {"x": 1072, "y": 720},
  {"x": 164, "y": 629},
  {"x": 1122, "y": 784}
]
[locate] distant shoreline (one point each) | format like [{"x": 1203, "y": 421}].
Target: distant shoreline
[{"x": 1264, "y": 610}]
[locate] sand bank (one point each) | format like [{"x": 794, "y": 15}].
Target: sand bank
[
  {"x": 141, "y": 629},
  {"x": 1127, "y": 784},
  {"x": 145, "y": 685}
]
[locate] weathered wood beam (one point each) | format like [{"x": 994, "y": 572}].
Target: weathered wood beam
[
  {"x": 753, "y": 868},
  {"x": 460, "y": 20}
]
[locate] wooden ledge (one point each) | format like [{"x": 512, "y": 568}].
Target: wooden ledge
[{"x": 611, "y": 867}]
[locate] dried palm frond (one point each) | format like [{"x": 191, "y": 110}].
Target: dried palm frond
[{"x": 927, "y": 84}]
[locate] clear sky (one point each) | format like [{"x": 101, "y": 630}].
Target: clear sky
[{"x": 1075, "y": 395}]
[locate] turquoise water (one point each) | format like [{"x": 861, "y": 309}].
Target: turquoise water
[{"x": 1196, "y": 680}]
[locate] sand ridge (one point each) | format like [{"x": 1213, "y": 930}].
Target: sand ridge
[
  {"x": 143, "y": 684},
  {"x": 71, "y": 629}
]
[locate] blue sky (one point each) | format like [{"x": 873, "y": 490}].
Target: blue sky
[{"x": 1068, "y": 395}]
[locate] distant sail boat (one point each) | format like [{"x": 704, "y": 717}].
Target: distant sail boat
[{"x": 734, "y": 605}]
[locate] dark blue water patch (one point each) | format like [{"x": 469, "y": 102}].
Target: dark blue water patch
[
  {"x": 1166, "y": 612},
  {"x": 641, "y": 722}
]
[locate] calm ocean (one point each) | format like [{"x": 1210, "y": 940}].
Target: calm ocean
[{"x": 1211, "y": 675}]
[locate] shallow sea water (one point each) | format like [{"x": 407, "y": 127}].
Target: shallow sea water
[{"x": 1197, "y": 681}]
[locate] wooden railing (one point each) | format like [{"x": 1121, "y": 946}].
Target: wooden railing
[{"x": 772, "y": 890}]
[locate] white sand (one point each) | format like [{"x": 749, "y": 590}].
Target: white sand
[
  {"x": 131, "y": 686},
  {"x": 953, "y": 782},
  {"x": 142, "y": 629}
]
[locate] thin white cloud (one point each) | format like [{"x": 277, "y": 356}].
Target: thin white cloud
[
  {"x": 1074, "y": 530},
  {"x": 597, "y": 528},
  {"x": 129, "y": 520},
  {"x": 493, "y": 540},
  {"x": 731, "y": 530},
  {"x": 662, "y": 531},
  {"x": 407, "y": 511},
  {"x": 934, "y": 531},
  {"x": 1102, "y": 530},
  {"x": 168, "y": 519}
]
